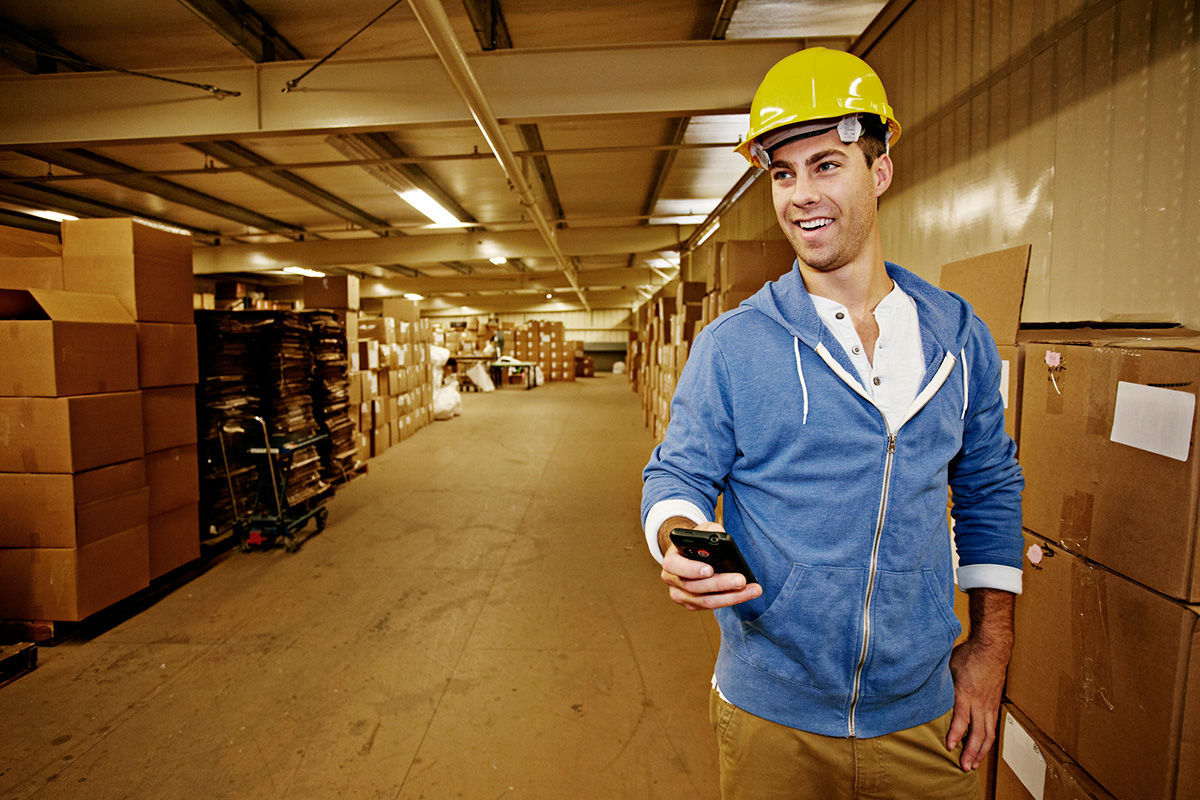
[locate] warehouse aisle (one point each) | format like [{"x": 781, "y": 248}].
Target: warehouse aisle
[{"x": 479, "y": 620}]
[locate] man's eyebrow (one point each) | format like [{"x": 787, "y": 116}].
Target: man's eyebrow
[{"x": 822, "y": 155}]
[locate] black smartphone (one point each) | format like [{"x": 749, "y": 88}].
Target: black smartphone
[{"x": 715, "y": 548}]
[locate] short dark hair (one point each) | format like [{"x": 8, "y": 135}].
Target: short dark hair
[{"x": 874, "y": 138}]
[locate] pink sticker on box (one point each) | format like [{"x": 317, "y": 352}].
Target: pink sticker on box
[
  {"x": 1053, "y": 359},
  {"x": 1034, "y": 554}
]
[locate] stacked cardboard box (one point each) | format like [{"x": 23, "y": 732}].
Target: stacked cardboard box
[
  {"x": 1108, "y": 618},
  {"x": 149, "y": 269},
  {"x": 396, "y": 392},
  {"x": 556, "y": 362},
  {"x": 1103, "y": 681},
  {"x": 74, "y": 503},
  {"x": 670, "y": 321}
]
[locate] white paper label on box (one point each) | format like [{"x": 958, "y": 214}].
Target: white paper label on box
[
  {"x": 1154, "y": 419},
  {"x": 1022, "y": 755},
  {"x": 1004, "y": 372}
]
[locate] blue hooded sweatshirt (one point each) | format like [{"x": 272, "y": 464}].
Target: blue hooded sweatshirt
[{"x": 842, "y": 520}]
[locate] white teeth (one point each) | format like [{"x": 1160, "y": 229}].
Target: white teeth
[{"x": 813, "y": 224}]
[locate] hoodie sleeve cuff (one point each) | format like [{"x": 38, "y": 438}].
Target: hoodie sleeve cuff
[
  {"x": 662, "y": 511},
  {"x": 989, "y": 576}
]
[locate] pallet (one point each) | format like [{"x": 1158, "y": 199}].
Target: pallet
[{"x": 16, "y": 660}]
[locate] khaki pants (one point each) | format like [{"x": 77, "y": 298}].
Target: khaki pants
[{"x": 761, "y": 760}]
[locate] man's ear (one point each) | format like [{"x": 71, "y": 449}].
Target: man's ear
[{"x": 882, "y": 170}]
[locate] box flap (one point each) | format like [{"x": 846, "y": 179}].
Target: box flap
[
  {"x": 994, "y": 283},
  {"x": 60, "y": 306}
]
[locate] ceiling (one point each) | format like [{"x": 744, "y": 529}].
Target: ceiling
[{"x": 582, "y": 141}]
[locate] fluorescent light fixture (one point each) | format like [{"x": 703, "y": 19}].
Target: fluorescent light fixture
[
  {"x": 308, "y": 273},
  {"x": 709, "y": 232},
  {"x": 549, "y": 297},
  {"x": 428, "y": 206},
  {"x": 413, "y": 296},
  {"x": 53, "y": 216},
  {"x": 498, "y": 260}
]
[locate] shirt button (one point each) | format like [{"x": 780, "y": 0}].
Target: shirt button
[
  {"x": 840, "y": 315},
  {"x": 877, "y": 381},
  {"x": 857, "y": 351}
]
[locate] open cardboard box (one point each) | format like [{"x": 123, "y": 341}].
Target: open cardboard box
[
  {"x": 58, "y": 343},
  {"x": 1110, "y": 671}
]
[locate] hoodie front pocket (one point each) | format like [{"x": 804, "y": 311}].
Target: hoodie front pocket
[
  {"x": 912, "y": 632},
  {"x": 811, "y": 632}
]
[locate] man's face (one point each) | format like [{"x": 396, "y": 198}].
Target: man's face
[{"x": 826, "y": 197}]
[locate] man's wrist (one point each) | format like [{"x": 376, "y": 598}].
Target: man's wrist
[
  {"x": 670, "y": 524},
  {"x": 991, "y": 613}
]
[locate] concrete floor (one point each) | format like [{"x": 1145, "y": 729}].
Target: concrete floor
[{"x": 479, "y": 620}]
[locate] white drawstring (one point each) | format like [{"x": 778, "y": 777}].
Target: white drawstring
[
  {"x": 966, "y": 389},
  {"x": 803, "y": 385}
]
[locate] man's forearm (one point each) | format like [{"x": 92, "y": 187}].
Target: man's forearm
[
  {"x": 991, "y": 612},
  {"x": 664, "y": 531}
]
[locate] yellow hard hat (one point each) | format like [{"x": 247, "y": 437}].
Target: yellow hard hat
[{"x": 816, "y": 84}]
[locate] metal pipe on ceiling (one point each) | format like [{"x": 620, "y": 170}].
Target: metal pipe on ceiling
[{"x": 437, "y": 27}]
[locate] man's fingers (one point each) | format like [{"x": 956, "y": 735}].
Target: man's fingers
[
  {"x": 713, "y": 600},
  {"x": 958, "y": 725}
]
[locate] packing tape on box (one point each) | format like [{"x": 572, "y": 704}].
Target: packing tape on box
[
  {"x": 1106, "y": 374},
  {"x": 1090, "y": 611},
  {"x": 1075, "y": 522}
]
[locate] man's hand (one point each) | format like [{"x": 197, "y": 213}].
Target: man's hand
[
  {"x": 693, "y": 584},
  {"x": 978, "y": 667}
]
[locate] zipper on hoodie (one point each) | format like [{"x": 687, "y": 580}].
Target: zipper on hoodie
[
  {"x": 866, "y": 627},
  {"x": 922, "y": 398}
]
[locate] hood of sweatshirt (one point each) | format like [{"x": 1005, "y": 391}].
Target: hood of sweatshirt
[{"x": 945, "y": 318}]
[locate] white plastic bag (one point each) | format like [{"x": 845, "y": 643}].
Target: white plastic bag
[
  {"x": 438, "y": 355},
  {"x": 447, "y": 402},
  {"x": 619, "y": 368},
  {"x": 479, "y": 376}
]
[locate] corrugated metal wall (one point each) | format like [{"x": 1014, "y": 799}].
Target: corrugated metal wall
[
  {"x": 1068, "y": 124},
  {"x": 600, "y": 325},
  {"x": 1072, "y": 125}
]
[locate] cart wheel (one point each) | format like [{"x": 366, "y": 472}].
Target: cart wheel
[
  {"x": 290, "y": 545},
  {"x": 322, "y": 518}
]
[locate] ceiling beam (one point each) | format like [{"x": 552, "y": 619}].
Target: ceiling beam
[
  {"x": 48, "y": 198},
  {"x": 435, "y": 248},
  {"x": 543, "y": 280},
  {"x": 83, "y": 160},
  {"x": 243, "y": 28},
  {"x": 236, "y": 154},
  {"x": 36, "y": 54},
  {"x": 689, "y": 78}
]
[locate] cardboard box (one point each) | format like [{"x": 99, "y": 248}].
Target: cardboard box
[
  {"x": 21, "y": 243},
  {"x": 169, "y": 417},
  {"x": 167, "y": 354},
  {"x": 994, "y": 285},
  {"x": 173, "y": 476},
  {"x": 1110, "y": 466},
  {"x": 58, "y": 343},
  {"x": 332, "y": 291},
  {"x": 381, "y": 440},
  {"x": 70, "y": 434},
  {"x": 41, "y": 272},
  {"x": 173, "y": 539},
  {"x": 1110, "y": 671},
  {"x": 744, "y": 266},
  {"x": 401, "y": 309},
  {"x": 149, "y": 269},
  {"x": 690, "y": 293},
  {"x": 70, "y": 584},
  {"x": 381, "y": 329},
  {"x": 52, "y": 510},
  {"x": 1032, "y": 767}
]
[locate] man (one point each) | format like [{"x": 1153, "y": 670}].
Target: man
[{"x": 831, "y": 410}]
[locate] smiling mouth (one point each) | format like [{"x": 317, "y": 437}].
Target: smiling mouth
[{"x": 814, "y": 224}]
